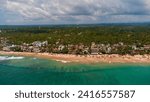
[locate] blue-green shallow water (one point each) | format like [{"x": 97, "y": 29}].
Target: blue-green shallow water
[{"x": 30, "y": 71}]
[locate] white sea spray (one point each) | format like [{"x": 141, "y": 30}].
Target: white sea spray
[{"x": 2, "y": 58}]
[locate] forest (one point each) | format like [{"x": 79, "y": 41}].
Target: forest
[
  {"x": 75, "y": 35},
  {"x": 105, "y": 39}
]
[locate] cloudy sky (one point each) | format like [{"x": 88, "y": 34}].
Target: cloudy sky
[{"x": 73, "y": 11}]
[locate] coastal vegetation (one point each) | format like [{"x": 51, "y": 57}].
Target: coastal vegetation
[{"x": 112, "y": 39}]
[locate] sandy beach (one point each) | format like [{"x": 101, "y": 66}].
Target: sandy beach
[{"x": 67, "y": 58}]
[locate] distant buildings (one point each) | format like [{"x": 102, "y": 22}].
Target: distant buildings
[
  {"x": 39, "y": 43},
  {"x": 36, "y": 46},
  {"x": 10, "y": 48},
  {"x": 79, "y": 49},
  {"x": 94, "y": 49},
  {"x": 7, "y": 49},
  {"x": 61, "y": 47},
  {"x": 146, "y": 46}
]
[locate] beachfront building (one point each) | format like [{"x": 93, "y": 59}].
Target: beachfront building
[
  {"x": 147, "y": 47},
  {"x": 94, "y": 49},
  {"x": 86, "y": 50},
  {"x": 7, "y": 49},
  {"x": 36, "y": 50},
  {"x": 61, "y": 47},
  {"x": 40, "y": 44},
  {"x": 72, "y": 48},
  {"x": 134, "y": 47},
  {"x": 37, "y": 44},
  {"x": 108, "y": 50}
]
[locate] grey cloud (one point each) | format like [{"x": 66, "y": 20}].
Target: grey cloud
[{"x": 76, "y": 10}]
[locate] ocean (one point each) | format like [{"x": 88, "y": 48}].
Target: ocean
[{"x": 34, "y": 71}]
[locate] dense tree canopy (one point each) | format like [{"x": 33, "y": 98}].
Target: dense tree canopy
[{"x": 76, "y": 35}]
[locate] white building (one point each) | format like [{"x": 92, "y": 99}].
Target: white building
[
  {"x": 6, "y": 48},
  {"x": 40, "y": 44}
]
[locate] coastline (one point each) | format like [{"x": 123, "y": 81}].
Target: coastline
[{"x": 87, "y": 59}]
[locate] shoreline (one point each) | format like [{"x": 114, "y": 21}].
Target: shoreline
[{"x": 85, "y": 59}]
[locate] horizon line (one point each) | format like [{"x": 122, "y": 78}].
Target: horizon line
[{"x": 75, "y": 24}]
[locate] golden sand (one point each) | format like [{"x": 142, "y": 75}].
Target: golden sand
[{"x": 66, "y": 58}]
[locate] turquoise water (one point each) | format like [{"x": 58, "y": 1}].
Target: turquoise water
[{"x": 32, "y": 71}]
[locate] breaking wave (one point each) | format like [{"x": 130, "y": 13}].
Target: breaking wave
[{"x": 2, "y": 58}]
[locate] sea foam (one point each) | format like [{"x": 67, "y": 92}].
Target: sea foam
[{"x": 2, "y": 58}]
